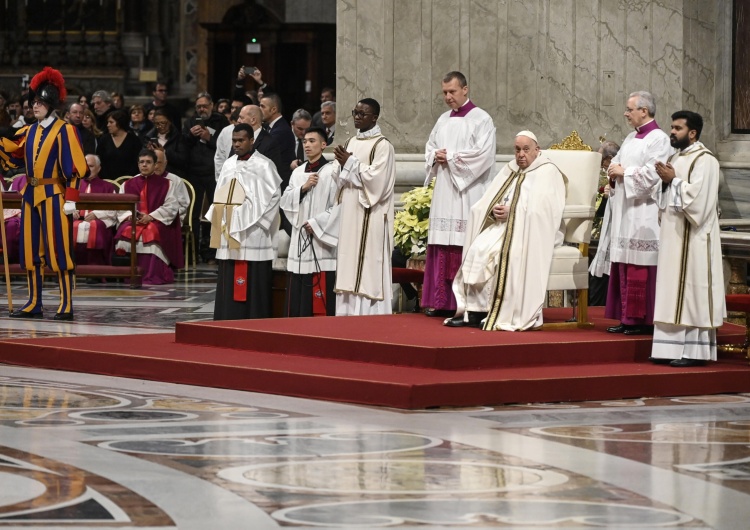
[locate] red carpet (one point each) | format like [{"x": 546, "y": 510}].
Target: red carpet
[{"x": 405, "y": 361}]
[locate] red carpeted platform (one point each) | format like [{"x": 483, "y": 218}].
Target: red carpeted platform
[{"x": 405, "y": 361}]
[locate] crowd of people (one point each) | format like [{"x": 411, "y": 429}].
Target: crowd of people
[{"x": 491, "y": 236}]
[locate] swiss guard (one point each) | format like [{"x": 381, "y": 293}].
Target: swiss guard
[{"x": 52, "y": 153}]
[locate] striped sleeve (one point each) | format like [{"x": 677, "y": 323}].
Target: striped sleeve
[
  {"x": 12, "y": 149},
  {"x": 72, "y": 161}
]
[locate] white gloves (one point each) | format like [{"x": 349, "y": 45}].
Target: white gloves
[{"x": 69, "y": 207}]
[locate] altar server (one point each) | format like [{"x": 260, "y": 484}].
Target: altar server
[
  {"x": 512, "y": 232},
  {"x": 244, "y": 220},
  {"x": 308, "y": 203},
  {"x": 366, "y": 173},
  {"x": 690, "y": 302},
  {"x": 634, "y": 228},
  {"x": 460, "y": 156}
]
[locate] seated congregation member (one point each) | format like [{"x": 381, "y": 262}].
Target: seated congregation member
[
  {"x": 366, "y": 174},
  {"x": 157, "y": 228},
  {"x": 93, "y": 229},
  {"x": 138, "y": 122},
  {"x": 118, "y": 149},
  {"x": 308, "y": 203},
  {"x": 12, "y": 218},
  {"x": 165, "y": 136},
  {"x": 180, "y": 189},
  {"x": 512, "y": 232},
  {"x": 243, "y": 224}
]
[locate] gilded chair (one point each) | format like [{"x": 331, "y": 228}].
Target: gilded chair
[
  {"x": 187, "y": 228},
  {"x": 570, "y": 262}
]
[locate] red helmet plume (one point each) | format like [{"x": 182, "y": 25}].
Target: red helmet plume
[{"x": 49, "y": 86}]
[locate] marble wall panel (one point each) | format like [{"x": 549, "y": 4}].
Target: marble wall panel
[{"x": 550, "y": 66}]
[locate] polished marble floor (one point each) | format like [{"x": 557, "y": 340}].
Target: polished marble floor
[{"x": 83, "y": 451}]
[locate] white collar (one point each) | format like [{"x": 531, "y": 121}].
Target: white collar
[
  {"x": 46, "y": 122},
  {"x": 375, "y": 131},
  {"x": 271, "y": 124}
]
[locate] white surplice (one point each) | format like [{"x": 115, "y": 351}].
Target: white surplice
[
  {"x": 461, "y": 182},
  {"x": 166, "y": 214},
  {"x": 253, "y": 223},
  {"x": 690, "y": 301},
  {"x": 363, "y": 274},
  {"x": 507, "y": 263},
  {"x": 317, "y": 207},
  {"x": 634, "y": 224}
]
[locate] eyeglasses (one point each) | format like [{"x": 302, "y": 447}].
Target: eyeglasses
[
  {"x": 37, "y": 102},
  {"x": 161, "y": 123},
  {"x": 361, "y": 114}
]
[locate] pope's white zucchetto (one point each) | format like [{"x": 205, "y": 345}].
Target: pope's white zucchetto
[{"x": 528, "y": 134}]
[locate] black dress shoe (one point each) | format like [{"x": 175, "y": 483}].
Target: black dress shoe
[
  {"x": 686, "y": 363},
  {"x": 475, "y": 319},
  {"x": 439, "y": 313},
  {"x": 455, "y": 322},
  {"x": 617, "y": 329},
  {"x": 63, "y": 316},
  {"x": 657, "y": 360},
  {"x": 639, "y": 330},
  {"x": 25, "y": 314}
]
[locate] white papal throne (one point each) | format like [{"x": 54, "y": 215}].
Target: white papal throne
[{"x": 570, "y": 262}]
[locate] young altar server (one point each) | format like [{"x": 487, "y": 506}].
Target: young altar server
[
  {"x": 157, "y": 228},
  {"x": 308, "y": 203},
  {"x": 244, "y": 220},
  {"x": 366, "y": 173},
  {"x": 690, "y": 302}
]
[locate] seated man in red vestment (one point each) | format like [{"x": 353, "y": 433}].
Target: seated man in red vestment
[
  {"x": 157, "y": 228},
  {"x": 93, "y": 229}
]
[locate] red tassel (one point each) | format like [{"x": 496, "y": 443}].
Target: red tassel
[
  {"x": 240, "y": 281},
  {"x": 319, "y": 294}
]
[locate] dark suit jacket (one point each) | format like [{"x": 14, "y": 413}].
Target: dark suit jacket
[
  {"x": 282, "y": 133},
  {"x": 266, "y": 145}
]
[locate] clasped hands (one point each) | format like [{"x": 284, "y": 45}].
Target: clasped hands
[
  {"x": 665, "y": 171},
  {"x": 500, "y": 212}
]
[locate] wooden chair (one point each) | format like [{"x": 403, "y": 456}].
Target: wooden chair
[
  {"x": 187, "y": 228},
  {"x": 116, "y": 184},
  {"x": 570, "y": 262},
  {"x": 120, "y": 181}
]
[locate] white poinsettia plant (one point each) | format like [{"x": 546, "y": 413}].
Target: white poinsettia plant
[{"x": 411, "y": 223}]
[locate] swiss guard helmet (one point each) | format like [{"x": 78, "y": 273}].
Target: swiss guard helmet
[{"x": 48, "y": 86}]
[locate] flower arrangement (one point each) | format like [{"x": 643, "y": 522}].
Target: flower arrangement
[{"x": 411, "y": 223}]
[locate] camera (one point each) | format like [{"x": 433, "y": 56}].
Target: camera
[
  {"x": 249, "y": 70},
  {"x": 199, "y": 121}
]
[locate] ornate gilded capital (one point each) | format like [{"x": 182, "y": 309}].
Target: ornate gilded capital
[{"x": 572, "y": 142}]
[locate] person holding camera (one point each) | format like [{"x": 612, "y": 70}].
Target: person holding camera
[
  {"x": 164, "y": 136},
  {"x": 199, "y": 137}
]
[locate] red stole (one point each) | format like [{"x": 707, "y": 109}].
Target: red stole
[
  {"x": 319, "y": 294},
  {"x": 147, "y": 233},
  {"x": 240, "y": 281}
]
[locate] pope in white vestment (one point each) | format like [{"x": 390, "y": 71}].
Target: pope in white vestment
[
  {"x": 634, "y": 224},
  {"x": 460, "y": 156},
  {"x": 366, "y": 174},
  {"x": 309, "y": 205},
  {"x": 512, "y": 233},
  {"x": 690, "y": 303}
]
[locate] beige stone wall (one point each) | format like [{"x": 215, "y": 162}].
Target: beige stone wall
[{"x": 548, "y": 65}]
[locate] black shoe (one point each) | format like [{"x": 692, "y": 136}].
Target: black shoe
[
  {"x": 455, "y": 322},
  {"x": 439, "y": 313},
  {"x": 617, "y": 329},
  {"x": 475, "y": 319},
  {"x": 25, "y": 314},
  {"x": 686, "y": 363},
  {"x": 639, "y": 330},
  {"x": 657, "y": 360},
  {"x": 63, "y": 316}
]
